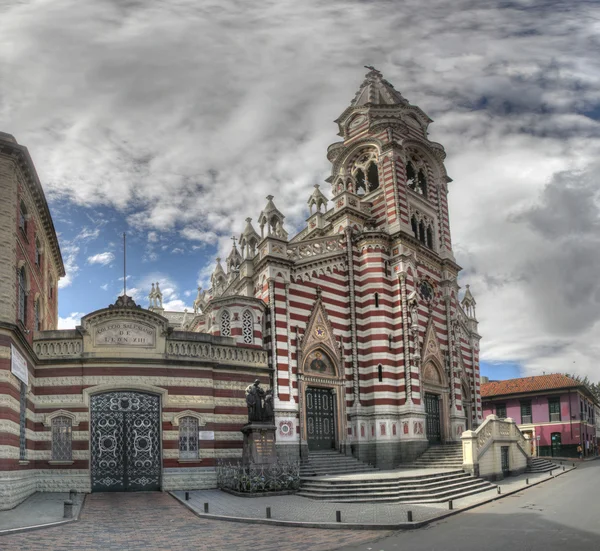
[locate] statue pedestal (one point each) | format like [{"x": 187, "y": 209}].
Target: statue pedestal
[{"x": 259, "y": 444}]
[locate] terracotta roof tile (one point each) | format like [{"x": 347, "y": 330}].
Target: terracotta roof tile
[{"x": 527, "y": 384}]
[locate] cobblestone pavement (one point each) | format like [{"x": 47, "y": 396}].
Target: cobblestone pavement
[
  {"x": 156, "y": 521},
  {"x": 301, "y": 509}
]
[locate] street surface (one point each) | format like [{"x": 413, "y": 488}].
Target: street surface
[{"x": 559, "y": 515}]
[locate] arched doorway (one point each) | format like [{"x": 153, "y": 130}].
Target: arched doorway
[
  {"x": 435, "y": 396},
  {"x": 125, "y": 442}
]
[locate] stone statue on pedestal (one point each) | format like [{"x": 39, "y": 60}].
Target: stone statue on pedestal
[{"x": 259, "y": 432}]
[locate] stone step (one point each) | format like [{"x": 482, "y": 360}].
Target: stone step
[
  {"x": 333, "y": 472},
  {"x": 375, "y": 480},
  {"x": 438, "y": 496},
  {"x": 395, "y": 488}
]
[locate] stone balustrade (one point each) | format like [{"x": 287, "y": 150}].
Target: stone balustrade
[
  {"x": 496, "y": 449},
  {"x": 209, "y": 352},
  {"x": 317, "y": 247},
  {"x": 202, "y": 351}
]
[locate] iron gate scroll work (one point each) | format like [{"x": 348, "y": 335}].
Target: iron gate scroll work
[
  {"x": 432, "y": 409},
  {"x": 125, "y": 442},
  {"x": 320, "y": 418}
]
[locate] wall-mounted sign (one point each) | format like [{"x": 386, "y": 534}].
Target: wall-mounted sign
[
  {"x": 125, "y": 333},
  {"x": 206, "y": 435},
  {"x": 18, "y": 365}
]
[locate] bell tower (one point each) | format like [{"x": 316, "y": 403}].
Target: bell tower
[{"x": 386, "y": 171}]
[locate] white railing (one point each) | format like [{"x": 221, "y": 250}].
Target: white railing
[
  {"x": 482, "y": 454},
  {"x": 58, "y": 348},
  {"x": 316, "y": 247},
  {"x": 210, "y": 352}
]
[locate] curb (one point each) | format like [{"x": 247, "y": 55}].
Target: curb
[
  {"x": 354, "y": 526},
  {"x": 10, "y": 531}
]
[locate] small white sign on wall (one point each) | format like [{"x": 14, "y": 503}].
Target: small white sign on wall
[
  {"x": 206, "y": 435},
  {"x": 18, "y": 365}
]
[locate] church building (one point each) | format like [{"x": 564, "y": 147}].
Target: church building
[{"x": 355, "y": 322}]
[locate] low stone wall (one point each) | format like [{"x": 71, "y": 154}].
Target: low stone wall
[
  {"x": 17, "y": 486},
  {"x": 483, "y": 449},
  {"x": 191, "y": 478}
]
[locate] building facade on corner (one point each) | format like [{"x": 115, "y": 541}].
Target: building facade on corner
[
  {"x": 557, "y": 412},
  {"x": 355, "y": 322}
]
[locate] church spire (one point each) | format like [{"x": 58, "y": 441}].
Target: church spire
[{"x": 375, "y": 90}]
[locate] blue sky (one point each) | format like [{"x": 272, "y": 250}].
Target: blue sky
[{"x": 174, "y": 121}]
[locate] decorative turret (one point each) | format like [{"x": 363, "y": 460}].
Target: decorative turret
[
  {"x": 200, "y": 301},
  {"x": 273, "y": 219},
  {"x": 316, "y": 221},
  {"x": 155, "y": 298},
  {"x": 249, "y": 240},
  {"x": 233, "y": 261},
  {"x": 468, "y": 303},
  {"x": 218, "y": 279}
]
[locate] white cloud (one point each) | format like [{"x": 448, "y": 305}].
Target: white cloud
[
  {"x": 71, "y": 321},
  {"x": 177, "y": 250},
  {"x": 104, "y": 287},
  {"x": 69, "y": 252},
  {"x": 101, "y": 258},
  {"x": 507, "y": 86}
]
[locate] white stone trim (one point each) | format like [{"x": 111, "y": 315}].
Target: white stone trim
[
  {"x": 109, "y": 387},
  {"x": 60, "y": 413},
  {"x": 188, "y": 413}
]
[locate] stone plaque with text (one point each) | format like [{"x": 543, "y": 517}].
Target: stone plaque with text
[{"x": 125, "y": 333}]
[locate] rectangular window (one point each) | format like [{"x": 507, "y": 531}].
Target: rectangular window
[
  {"x": 23, "y": 423},
  {"x": 526, "y": 412},
  {"x": 188, "y": 438},
  {"x": 554, "y": 407},
  {"x": 61, "y": 439},
  {"x": 501, "y": 411}
]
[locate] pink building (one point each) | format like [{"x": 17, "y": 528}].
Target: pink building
[{"x": 555, "y": 410}]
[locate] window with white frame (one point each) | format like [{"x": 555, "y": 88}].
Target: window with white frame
[
  {"x": 37, "y": 315},
  {"x": 61, "y": 439},
  {"x": 22, "y": 295},
  {"x": 188, "y": 438},
  {"x": 247, "y": 327},
  {"x": 225, "y": 324}
]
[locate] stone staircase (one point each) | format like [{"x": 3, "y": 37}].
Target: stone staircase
[
  {"x": 541, "y": 465},
  {"x": 394, "y": 487},
  {"x": 447, "y": 456},
  {"x": 331, "y": 462}
]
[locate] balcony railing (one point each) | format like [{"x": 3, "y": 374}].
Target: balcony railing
[{"x": 525, "y": 419}]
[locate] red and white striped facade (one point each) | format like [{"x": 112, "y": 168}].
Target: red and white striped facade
[{"x": 378, "y": 272}]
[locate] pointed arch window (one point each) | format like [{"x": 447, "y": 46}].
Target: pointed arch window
[
  {"x": 62, "y": 439},
  {"x": 247, "y": 327},
  {"x": 188, "y": 438},
  {"x": 225, "y": 323},
  {"x": 421, "y": 183},
  {"x": 422, "y": 232},
  {"x": 380, "y": 373},
  {"x": 360, "y": 182},
  {"x": 50, "y": 287},
  {"x": 429, "y": 237},
  {"x": 411, "y": 176},
  {"x": 373, "y": 177},
  {"x": 376, "y": 300},
  {"x": 415, "y": 226},
  {"x": 22, "y": 295}
]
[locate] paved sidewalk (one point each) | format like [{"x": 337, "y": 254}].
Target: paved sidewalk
[
  {"x": 38, "y": 509},
  {"x": 294, "y": 510}
]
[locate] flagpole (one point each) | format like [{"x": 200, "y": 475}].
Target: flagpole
[{"x": 124, "y": 265}]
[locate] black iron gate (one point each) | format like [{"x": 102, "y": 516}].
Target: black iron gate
[
  {"x": 320, "y": 418},
  {"x": 125, "y": 442},
  {"x": 432, "y": 409}
]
